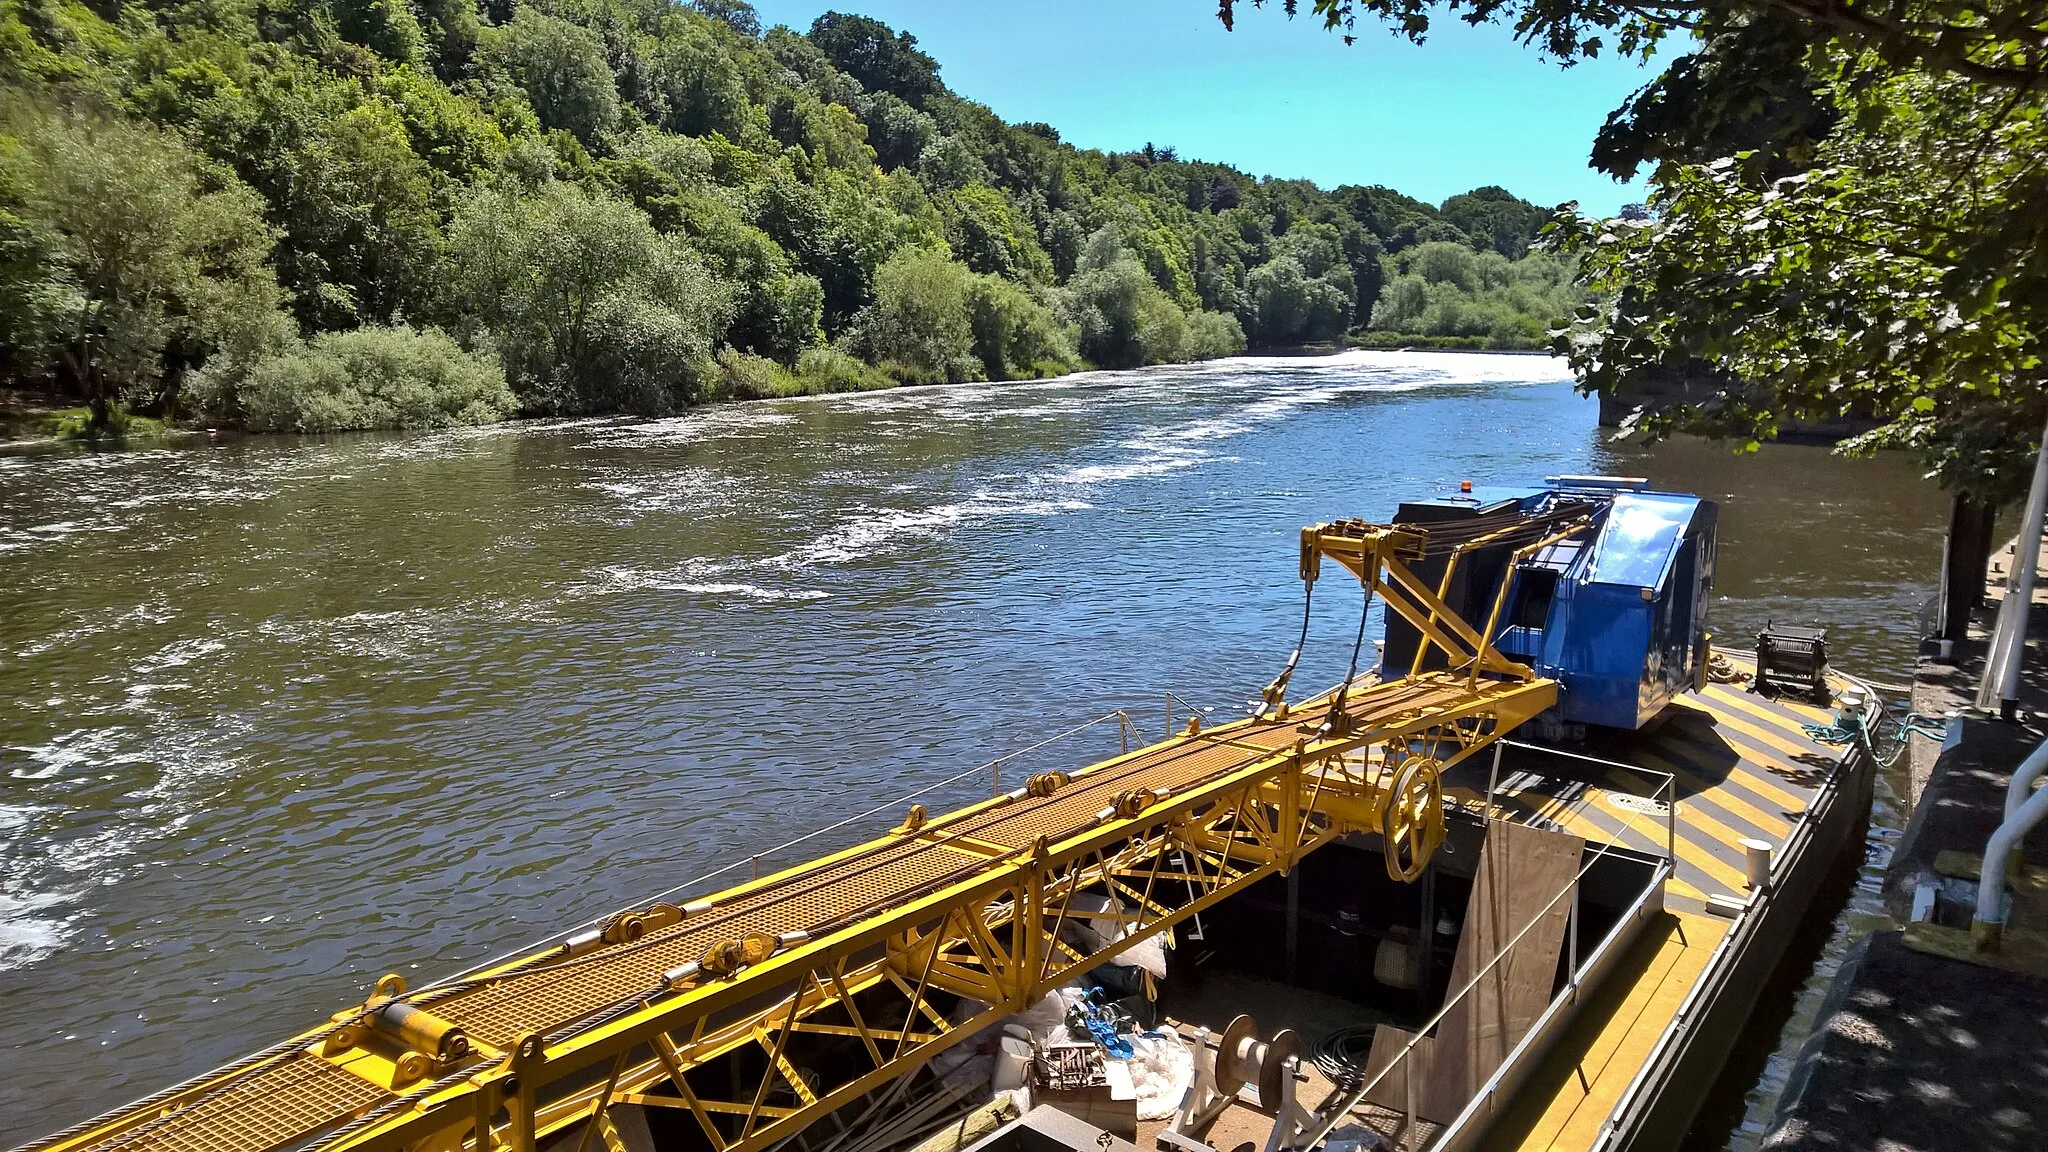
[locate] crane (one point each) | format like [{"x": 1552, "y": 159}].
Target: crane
[{"x": 752, "y": 1012}]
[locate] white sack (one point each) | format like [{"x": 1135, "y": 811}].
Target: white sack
[
  {"x": 1161, "y": 1068},
  {"x": 1098, "y": 932}
]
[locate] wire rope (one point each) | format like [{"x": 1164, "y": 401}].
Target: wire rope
[{"x": 1330, "y": 722}]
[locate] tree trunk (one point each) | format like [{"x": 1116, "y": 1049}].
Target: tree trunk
[{"x": 1971, "y": 537}]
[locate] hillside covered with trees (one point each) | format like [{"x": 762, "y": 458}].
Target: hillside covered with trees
[{"x": 317, "y": 215}]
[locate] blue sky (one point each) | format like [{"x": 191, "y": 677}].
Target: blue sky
[{"x": 1470, "y": 107}]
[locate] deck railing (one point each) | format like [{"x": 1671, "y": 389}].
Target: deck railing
[
  {"x": 1665, "y": 793},
  {"x": 1499, "y": 1085}
]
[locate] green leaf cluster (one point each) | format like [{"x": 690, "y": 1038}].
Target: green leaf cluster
[
  {"x": 1885, "y": 260},
  {"x": 371, "y": 377}
]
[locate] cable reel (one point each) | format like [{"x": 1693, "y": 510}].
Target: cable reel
[
  {"x": 1244, "y": 1059},
  {"x": 1240, "y": 1060},
  {"x": 1412, "y": 823}
]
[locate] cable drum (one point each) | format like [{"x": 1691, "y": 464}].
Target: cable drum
[{"x": 1342, "y": 1055}]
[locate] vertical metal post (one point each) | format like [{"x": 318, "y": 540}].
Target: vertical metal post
[
  {"x": 1293, "y": 922},
  {"x": 757, "y": 867},
  {"x": 1169, "y": 715},
  {"x": 1492, "y": 780},
  {"x": 995, "y": 777},
  {"x": 2016, "y": 645},
  {"x": 1408, "y": 1123},
  {"x": 1670, "y": 791},
  {"x": 1123, "y": 732},
  {"x": 1572, "y": 936},
  {"x": 1951, "y": 550},
  {"x": 2000, "y": 687}
]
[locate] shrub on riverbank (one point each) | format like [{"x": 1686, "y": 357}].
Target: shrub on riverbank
[
  {"x": 819, "y": 372},
  {"x": 1449, "y": 292},
  {"x": 592, "y": 309},
  {"x": 823, "y": 370},
  {"x": 1124, "y": 320},
  {"x": 366, "y": 378},
  {"x": 1015, "y": 334},
  {"x": 608, "y": 195},
  {"x": 1212, "y": 335},
  {"x": 919, "y": 321}
]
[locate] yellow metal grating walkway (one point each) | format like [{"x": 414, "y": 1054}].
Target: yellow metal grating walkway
[
  {"x": 300, "y": 1093},
  {"x": 1578, "y": 1087}
]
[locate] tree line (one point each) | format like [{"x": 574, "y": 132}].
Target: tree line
[{"x": 316, "y": 215}]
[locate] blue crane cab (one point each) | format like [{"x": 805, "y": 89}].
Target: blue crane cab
[{"x": 1615, "y": 613}]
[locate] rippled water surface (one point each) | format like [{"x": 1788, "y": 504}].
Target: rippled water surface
[{"x": 278, "y": 716}]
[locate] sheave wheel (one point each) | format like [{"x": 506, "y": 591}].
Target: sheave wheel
[{"x": 1412, "y": 826}]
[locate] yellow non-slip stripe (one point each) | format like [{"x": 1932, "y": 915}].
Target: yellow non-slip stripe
[
  {"x": 1695, "y": 812},
  {"x": 1725, "y": 796},
  {"x": 1720, "y": 803},
  {"x": 1752, "y": 762},
  {"x": 1584, "y": 825},
  {"x": 1795, "y": 711},
  {"x": 1767, "y": 732},
  {"x": 1600, "y": 1054},
  {"x": 1698, "y": 855},
  {"x": 1628, "y": 1037},
  {"x": 1591, "y": 1069},
  {"x": 1631, "y": 830}
]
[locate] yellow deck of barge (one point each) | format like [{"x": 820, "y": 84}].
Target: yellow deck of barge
[
  {"x": 1566, "y": 1106},
  {"x": 1743, "y": 767}
]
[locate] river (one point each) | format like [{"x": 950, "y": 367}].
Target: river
[{"x": 280, "y": 715}]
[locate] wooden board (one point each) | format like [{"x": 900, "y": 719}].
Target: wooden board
[
  {"x": 1387, "y": 1043},
  {"x": 1520, "y": 869}
]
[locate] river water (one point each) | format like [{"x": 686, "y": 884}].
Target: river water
[{"x": 278, "y": 716}]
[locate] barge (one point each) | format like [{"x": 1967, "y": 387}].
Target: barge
[{"x": 1514, "y": 883}]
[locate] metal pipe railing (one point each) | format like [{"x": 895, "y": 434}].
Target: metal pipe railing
[
  {"x": 1194, "y": 709},
  {"x": 1987, "y": 925},
  {"x": 1796, "y": 843},
  {"x": 1603, "y": 957},
  {"x": 2022, "y": 783},
  {"x": 2000, "y": 686},
  {"x": 1666, "y": 793},
  {"x": 1328, "y": 1119}
]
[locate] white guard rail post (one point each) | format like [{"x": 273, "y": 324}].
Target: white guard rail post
[{"x": 1987, "y": 926}]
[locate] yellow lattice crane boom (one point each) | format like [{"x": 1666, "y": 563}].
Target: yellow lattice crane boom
[{"x": 757, "y": 1010}]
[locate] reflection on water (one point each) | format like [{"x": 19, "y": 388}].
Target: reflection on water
[{"x": 282, "y": 715}]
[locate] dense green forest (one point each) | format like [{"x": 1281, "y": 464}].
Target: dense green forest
[{"x": 317, "y": 215}]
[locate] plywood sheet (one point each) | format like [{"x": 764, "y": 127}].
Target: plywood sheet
[
  {"x": 1387, "y": 1043},
  {"x": 1521, "y": 869}
]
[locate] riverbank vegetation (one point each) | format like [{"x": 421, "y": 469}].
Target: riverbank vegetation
[
  {"x": 318, "y": 215},
  {"x": 1848, "y": 218}
]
